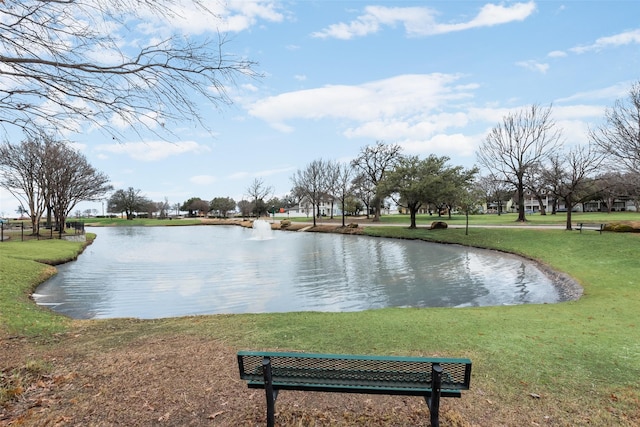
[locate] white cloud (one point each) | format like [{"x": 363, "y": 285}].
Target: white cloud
[
  {"x": 534, "y": 66},
  {"x": 625, "y": 38},
  {"x": 381, "y": 100},
  {"x": 418, "y": 127},
  {"x": 238, "y": 175},
  {"x": 249, "y": 87},
  {"x": 463, "y": 145},
  {"x": 153, "y": 150},
  {"x": 576, "y": 112},
  {"x": 261, "y": 173},
  {"x": 491, "y": 15},
  {"x": 420, "y": 21},
  {"x": 607, "y": 93},
  {"x": 203, "y": 179},
  {"x": 557, "y": 54},
  {"x": 230, "y": 16}
]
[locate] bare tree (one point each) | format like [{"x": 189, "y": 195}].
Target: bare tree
[
  {"x": 332, "y": 184},
  {"x": 47, "y": 175},
  {"x": 310, "y": 183},
  {"x": 364, "y": 190},
  {"x": 176, "y": 208},
  {"x": 493, "y": 191},
  {"x": 64, "y": 63},
  {"x": 245, "y": 207},
  {"x": 524, "y": 139},
  {"x": 342, "y": 189},
  {"x": 21, "y": 173},
  {"x": 163, "y": 208},
  {"x": 572, "y": 174},
  {"x": 619, "y": 137},
  {"x": 614, "y": 185},
  {"x": 374, "y": 161},
  {"x": 534, "y": 182},
  {"x": 258, "y": 191},
  {"x": 71, "y": 180}
]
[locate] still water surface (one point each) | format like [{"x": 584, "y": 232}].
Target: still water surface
[{"x": 155, "y": 272}]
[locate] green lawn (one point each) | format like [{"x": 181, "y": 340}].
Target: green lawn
[
  {"x": 510, "y": 218},
  {"x": 582, "y": 358}
]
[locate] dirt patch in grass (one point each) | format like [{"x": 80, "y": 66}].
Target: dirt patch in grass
[
  {"x": 116, "y": 374},
  {"x": 177, "y": 380}
]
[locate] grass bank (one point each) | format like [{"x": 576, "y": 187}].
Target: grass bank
[
  {"x": 23, "y": 266},
  {"x": 574, "y": 363},
  {"x": 509, "y": 219}
]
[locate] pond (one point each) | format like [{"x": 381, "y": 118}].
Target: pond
[{"x": 156, "y": 272}]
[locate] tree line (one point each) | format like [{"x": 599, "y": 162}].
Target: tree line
[
  {"x": 526, "y": 153},
  {"x": 523, "y": 154}
]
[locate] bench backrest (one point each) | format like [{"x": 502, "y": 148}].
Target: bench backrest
[{"x": 354, "y": 369}]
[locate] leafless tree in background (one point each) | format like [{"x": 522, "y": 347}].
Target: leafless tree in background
[
  {"x": 493, "y": 190},
  {"x": 332, "y": 184},
  {"x": 64, "y": 63},
  {"x": 343, "y": 188},
  {"x": 310, "y": 183},
  {"x": 374, "y": 161},
  {"x": 71, "y": 180},
  {"x": 535, "y": 183},
  {"x": 21, "y": 173},
  {"x": 258, "y": 191},
  {"x": 48, "y": 175},
  {"x": 364, "y": 190},
  {"x": 163, "y": 208},
  {"x": 571, "y": 174},
  {"x": 615, "y": 185},
  {"x": 524, "y": 139},
  {"x": 619, "y": 137}
]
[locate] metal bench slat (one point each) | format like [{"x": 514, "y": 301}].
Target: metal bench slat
[
  {"x": 329, "y": 369},
  {"x": 410, "y": 376}
]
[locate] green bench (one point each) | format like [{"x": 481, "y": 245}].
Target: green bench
[
  {"x": 429, "y": 377},
  {"x": 596, "y": 227}
]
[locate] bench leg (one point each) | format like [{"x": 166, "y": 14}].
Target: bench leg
[
  {"x": 270, "y": 392},
  {"x": 433, "y": 401}
]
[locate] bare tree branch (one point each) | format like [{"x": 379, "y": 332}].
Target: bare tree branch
[
  {"x": 374, "y": 161},
  {"x": 67, "y": 63},
  {"x": 619, "y": 138},
  {"x": 521, "y": 141}
]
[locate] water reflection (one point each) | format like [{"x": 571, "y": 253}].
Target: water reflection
[{"x": 173, "y": 271}]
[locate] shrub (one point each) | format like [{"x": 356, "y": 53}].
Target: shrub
[
  {"x": 621, "y": 228},
  {"x": 438, "y": 225}
]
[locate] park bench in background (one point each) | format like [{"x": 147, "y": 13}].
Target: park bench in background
[
  {"x": 584, "y": 226},
  {"x": 429, "y": 377}
]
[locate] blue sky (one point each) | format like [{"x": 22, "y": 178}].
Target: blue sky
[{"x": 431, "y": 76}]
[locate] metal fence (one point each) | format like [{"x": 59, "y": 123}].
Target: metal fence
[{"x": 22, "y": 230}]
